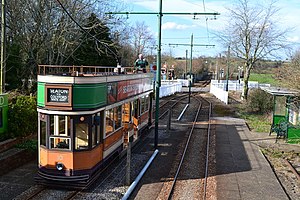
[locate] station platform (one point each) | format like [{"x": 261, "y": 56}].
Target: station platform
[{"x": 242, "y": 172}]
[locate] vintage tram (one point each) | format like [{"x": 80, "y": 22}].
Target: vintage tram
[{"x": 86, "y": 115}]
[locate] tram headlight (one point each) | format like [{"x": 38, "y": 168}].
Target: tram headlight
[{"x": 59, "y": 166}]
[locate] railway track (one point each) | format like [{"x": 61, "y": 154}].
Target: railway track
[
  {"x": 112, "y": 177},
  {"x": 190, "y": 180}
]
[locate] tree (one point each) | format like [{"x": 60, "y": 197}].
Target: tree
[
  {"x": 143, "y": 39},
  {"x": 97, "y": 47},
  {"x": 290, "y": 72},
  {"x": 252, "y": 34}
]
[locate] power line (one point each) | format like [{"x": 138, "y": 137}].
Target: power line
[{"x": 102, "y": 43}]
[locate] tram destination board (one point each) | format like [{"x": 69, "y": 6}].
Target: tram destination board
[{"x": 58, "y": 95}]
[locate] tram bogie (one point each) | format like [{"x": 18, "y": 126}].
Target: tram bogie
[{"x": 85, "y": 120}]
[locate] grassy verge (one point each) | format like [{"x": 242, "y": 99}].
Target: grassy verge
[{"x": 257, "y": 123}]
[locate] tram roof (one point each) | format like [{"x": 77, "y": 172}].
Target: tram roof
[{"x": 277, "y": 91}]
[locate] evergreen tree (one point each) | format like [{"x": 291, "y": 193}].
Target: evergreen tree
[{"x": 98, "y": 50}]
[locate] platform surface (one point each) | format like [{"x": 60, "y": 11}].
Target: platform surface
[{"x": 242, "y": 170}]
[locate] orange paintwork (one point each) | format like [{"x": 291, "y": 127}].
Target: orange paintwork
[
  {"x": 49, "y": 158},
  {"x": 71, "y": 160},
  {"x": 88, "y": 159},
  {"x": 110, "y": 140}
]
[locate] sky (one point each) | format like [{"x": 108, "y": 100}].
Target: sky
[{"x": 177, "y": 29}]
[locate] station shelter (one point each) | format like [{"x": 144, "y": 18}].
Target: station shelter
[{"x": 286, "y": 113}]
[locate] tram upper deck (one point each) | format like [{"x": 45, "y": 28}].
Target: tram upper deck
[{"x": 88, "y": 87}]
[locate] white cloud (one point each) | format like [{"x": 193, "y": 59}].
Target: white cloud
[
  {"x": 293, "y": 39},
  {"x": 175, "y": 26}
]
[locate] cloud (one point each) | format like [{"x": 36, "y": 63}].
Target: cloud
[
  {"x": 175, "y": 26},
  {"x": 293, "y": 39}
]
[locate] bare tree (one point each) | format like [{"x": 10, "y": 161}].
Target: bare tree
[
  {"x": 252, "y": 33},
  {"x": 290, "y": 72},
  {"x": 142, "y": 37}
]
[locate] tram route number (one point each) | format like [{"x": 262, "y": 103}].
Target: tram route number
[{"x": 58, "y": 95}]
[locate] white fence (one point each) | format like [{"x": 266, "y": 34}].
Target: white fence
[
  {"x": 218, "y": 88},
  {"x": 219, "y": 93},
  {"x": 169, "y": 87},
  {"x": 236, "y": 85}
]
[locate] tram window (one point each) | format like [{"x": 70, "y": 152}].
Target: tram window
[
  {"x": 60, "y": 125},
  {"x": 126, "y": 112},
  {"x": 94, "y": 131},
  {"x": 59, "y": 143},
  {"x": 135, "y": 109},
  {"x": 81, "y": 136},
  {"x": 118, "y": 117},
  {"x": 144, "y": 104},
  {"x": 43, "y": 135},
  {"x": 109, "y": 121}
]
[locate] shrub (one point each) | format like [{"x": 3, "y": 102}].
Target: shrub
[
  {"x": 22, "y": 116},
  {"x": 260, "y": 101}
]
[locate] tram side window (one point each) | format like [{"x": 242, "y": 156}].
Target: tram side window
[
  {"x": 81, "y": 136},
  {"x": 95, "y": 131},
  {"x": 135, "y": 109},
  {"x": 126, "y": 112},
  {"x": 43, "y": 135},
  {"x": 118, "y": 117},
  {"x": 109, "y": 121},
  {"x": 144, "y": 104}
]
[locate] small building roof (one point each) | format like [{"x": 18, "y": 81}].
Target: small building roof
[{"x": 277, "y": 91}]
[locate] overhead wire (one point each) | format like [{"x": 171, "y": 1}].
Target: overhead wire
[
  {"x": 94, "y": 37},
  {"x": 206, "y": 19}
]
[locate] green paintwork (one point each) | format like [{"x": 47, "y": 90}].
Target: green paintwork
[
  {"x": 41, "y": 94},
  {"x": 89, "y": 96},
  {"x": 4, "y": 108}
]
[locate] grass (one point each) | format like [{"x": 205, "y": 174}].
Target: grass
[
  {"x": 257, "y": 123},
  {"x": 264, "y": 78}
]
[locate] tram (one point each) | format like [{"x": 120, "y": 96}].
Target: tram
[{"x": 85, "y": 116}]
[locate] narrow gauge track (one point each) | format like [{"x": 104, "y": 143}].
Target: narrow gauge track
[
  {"x": 292, "y": 168},
  {"x": 111, "y": 179},
  {"x": 191, "y": 176}
]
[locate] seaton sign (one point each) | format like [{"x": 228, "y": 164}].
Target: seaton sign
[{"x": 59, "y": 95}]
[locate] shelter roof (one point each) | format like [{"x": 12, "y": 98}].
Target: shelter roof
[{"x": 277, "y": 91}]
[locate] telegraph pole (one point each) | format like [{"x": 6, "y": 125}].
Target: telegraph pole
[
  {"x": 158, "y": 75},
  {"x": 186, "y": 62},
  {"x": 191, "y": 65}
]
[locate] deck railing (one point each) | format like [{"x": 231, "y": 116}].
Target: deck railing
[{"x": 83, "y": 70}]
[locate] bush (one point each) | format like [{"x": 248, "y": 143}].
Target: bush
[
  {"x": 260, "y": 101},
  {"x": 22, "y": 116}
]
